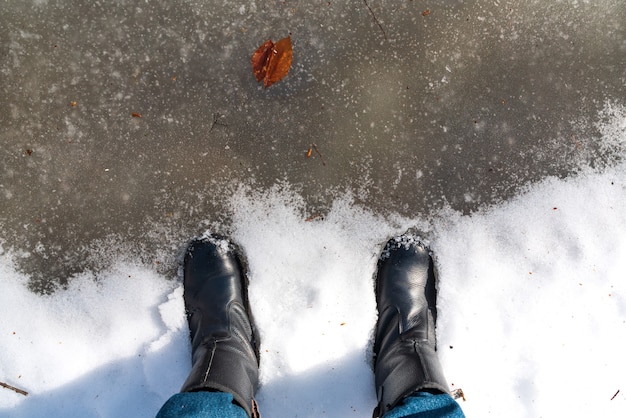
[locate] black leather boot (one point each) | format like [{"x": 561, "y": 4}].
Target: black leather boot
[
  {"x": 404, "y": 345},
  {"x": 224, "y": 346}
]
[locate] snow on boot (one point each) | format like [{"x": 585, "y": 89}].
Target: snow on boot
[
  {"x": 405, "y": 357},
  {"x": 224, "y": 346}
]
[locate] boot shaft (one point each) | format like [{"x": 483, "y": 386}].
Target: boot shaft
[
  {"x": 405, "y": 341},
  {"x": 225, "y": 354}
]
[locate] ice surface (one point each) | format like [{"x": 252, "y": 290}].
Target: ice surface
[{"x": 475, "y": 98}]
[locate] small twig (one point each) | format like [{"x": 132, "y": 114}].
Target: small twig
[
  {"x": 216, "y": 121},
  {"x": 319, "y": 153},
  {"x": 615, "y": 394},
  {"x": 375, "y": 19},
  {"x": 20, "y": 391},
  {"x": 313, "y": 217}
]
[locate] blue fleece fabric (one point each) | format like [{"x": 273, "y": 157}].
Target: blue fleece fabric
[
  {"x": 426, "y": 405},
  {"x": 201, "y": 405},
  {"x": 220, "y": 405}
]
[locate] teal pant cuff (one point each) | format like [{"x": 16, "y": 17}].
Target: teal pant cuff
[{"x": 201, "y": 405}]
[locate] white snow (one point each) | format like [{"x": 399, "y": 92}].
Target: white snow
[{"x": 532, "y": 310}]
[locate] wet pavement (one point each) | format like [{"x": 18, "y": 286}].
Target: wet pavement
[{"x": 125, "y": 127}]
